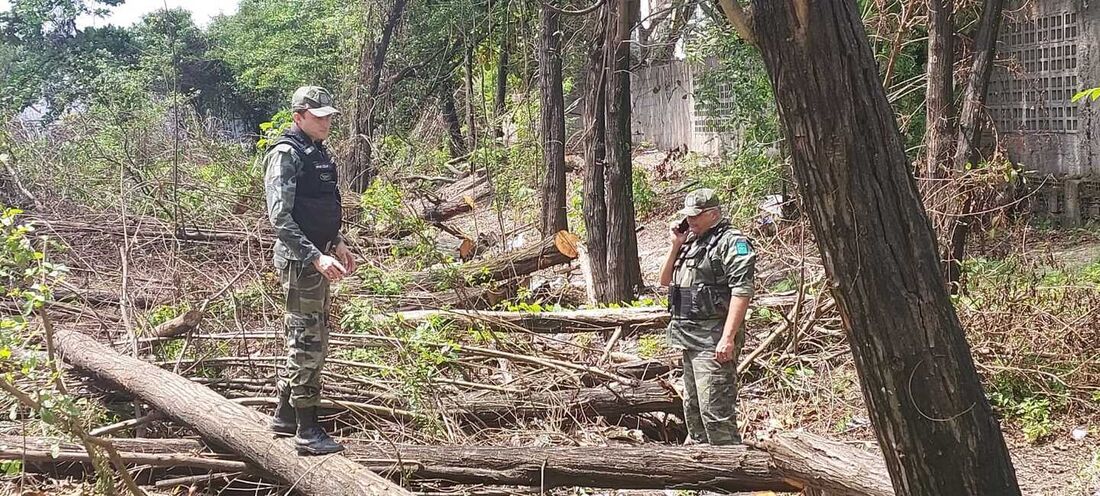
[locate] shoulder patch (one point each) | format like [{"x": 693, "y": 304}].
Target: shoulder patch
[{"x": 742, "y": 246}]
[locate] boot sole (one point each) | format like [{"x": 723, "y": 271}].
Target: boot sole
[{"x": 312, "y": 452}]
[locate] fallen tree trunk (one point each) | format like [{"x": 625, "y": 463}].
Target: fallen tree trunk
[
  {"x": 555, "y": 250},
  {"x": 572, "y": 321},
  {"x": 725, "y": 468},
  {"x": 451, "y": 201},
  {"x": 566, "y": 321},
  {"x": 789, "y": 462},
  {"x": 228, "y": 424},
  {"x": 611, "y": 400}
]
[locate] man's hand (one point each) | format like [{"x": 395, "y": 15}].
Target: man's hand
[
  {"x": 329, "y": 267},
  {"x": 676, "y": 237},
  {"x": 346, "y": 257},
  {"x": 724, "y": 351}
]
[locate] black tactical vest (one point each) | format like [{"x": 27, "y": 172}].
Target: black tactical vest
[{"x": 316, "y": 199}]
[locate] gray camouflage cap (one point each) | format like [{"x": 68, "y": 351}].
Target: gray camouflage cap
[
  {"x": 699, "y": 200},
  {"x": 315, "y": 99}
]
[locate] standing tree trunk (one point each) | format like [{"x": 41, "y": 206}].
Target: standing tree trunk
[
  {"x": 500, "y": 93},
  {"x": 470, "y": 117},
  {"x": 623, "y": 269},
  {"x": 457, "y": 144},
  {"x": 595, "y": 159},
  {"x": 552, "y": 122},
  {"x": 923, "y": 393},
  {"x": 967, "y": 148},
  {"x": 941, "y": 88},
  {"x": 360, "y": 171}
]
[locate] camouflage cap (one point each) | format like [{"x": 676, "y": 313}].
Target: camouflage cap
[
  {"x": 315, "y": 99},
  {"x": 699, "y": 200}
]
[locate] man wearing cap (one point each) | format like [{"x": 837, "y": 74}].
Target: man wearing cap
[
  {"x": 709, "y": 271},
  {"x": 303, "y": 203}
]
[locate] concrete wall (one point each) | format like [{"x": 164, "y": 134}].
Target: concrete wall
[
  {"x": 1049, "y": 50},
  {"x": 666, "y": 114}
]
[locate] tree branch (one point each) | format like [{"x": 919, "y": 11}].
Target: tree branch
[{"x": 739, "y": 18}]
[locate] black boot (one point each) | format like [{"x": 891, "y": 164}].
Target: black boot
[
  {"x": 285, "y": 422},
  {"x": 311, "y": 438}
]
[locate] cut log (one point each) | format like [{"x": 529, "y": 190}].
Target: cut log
[
  {"x": 179, "y": 325},
  {"x": 221, "y": 421},
  {"x": 451, "y": 201},
  {"x": 555, "y": 250},
  {"x": 829, "y": 467},
  {"x": 567, "y": 321},
  {"x": 612, "y": 400},
  {"x": 571, "y": 321}
]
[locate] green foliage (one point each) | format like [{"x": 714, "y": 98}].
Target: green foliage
[
  {"x": 741, "y": 180},
  {"x": 651, "y": 345},
  {"x": 1031, "y": 411},
  {"x": 425, "y": 350},
  {"x": 749, "y": 106},
  {"x": 274, "y": 47},
  {"x": 384, "y": 209},
  {"x": 272, "y": 130},
  {"x": 1091, "y": 93},
  {"x": 381, "y": 282},
  {"x": 645, "y": 198}
]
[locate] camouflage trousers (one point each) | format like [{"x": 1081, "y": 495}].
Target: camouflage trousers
[
  {"x": 305, "y": 325},
  {"x": 710, "y": 398}
]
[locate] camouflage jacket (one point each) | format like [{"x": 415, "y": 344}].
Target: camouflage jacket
[
  {"x": 709, "y": 270},
  {"x": 283, "y": 167}
]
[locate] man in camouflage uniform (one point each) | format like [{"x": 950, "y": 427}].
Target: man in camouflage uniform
[
  {"x": 709, "y": 271},
  {"x": 303, "y": 203}
]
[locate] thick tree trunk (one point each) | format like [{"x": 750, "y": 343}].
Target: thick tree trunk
[
  {"x": 360, "y": 170},
  {"x": 552, "y": 123},
  {"x": 558, "y": 249},
  {"x": 457, "y": 144},
  {"x": 623, "y": 269},
  {"x": 918, "y": 377},
  {"x": 595, "y": 159},
  {"x": 240, "y": 429},
  {"x": 939, "y": 96},
  {"x": 790, "y": 463},
  {"x": 968, "y": 145}
]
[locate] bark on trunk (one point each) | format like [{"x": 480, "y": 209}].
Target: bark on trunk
[
  {"x": 552, "y": 122},
  {"x": 941, "y": 88},
  {"x": 915, "y": 366},
  {"x": 471, "y": 122},
  {"x": 240, "y": 429},
  {"x": 595, "y": 159},
  {"x": 612, "y": 400},
  {"x": 457, "y": 144},
  {"x": 623, "y": 269},
  {"x": 789, "y": 463},
  {"x": 968, "y": 146},
  {"x": 500, "y": 92},
  {"x": 360, "y": 170}
]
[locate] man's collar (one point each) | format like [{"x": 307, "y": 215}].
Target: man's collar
[
  {"x": 721, "y": 222},
  {"x": 301, "y": 135}
]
